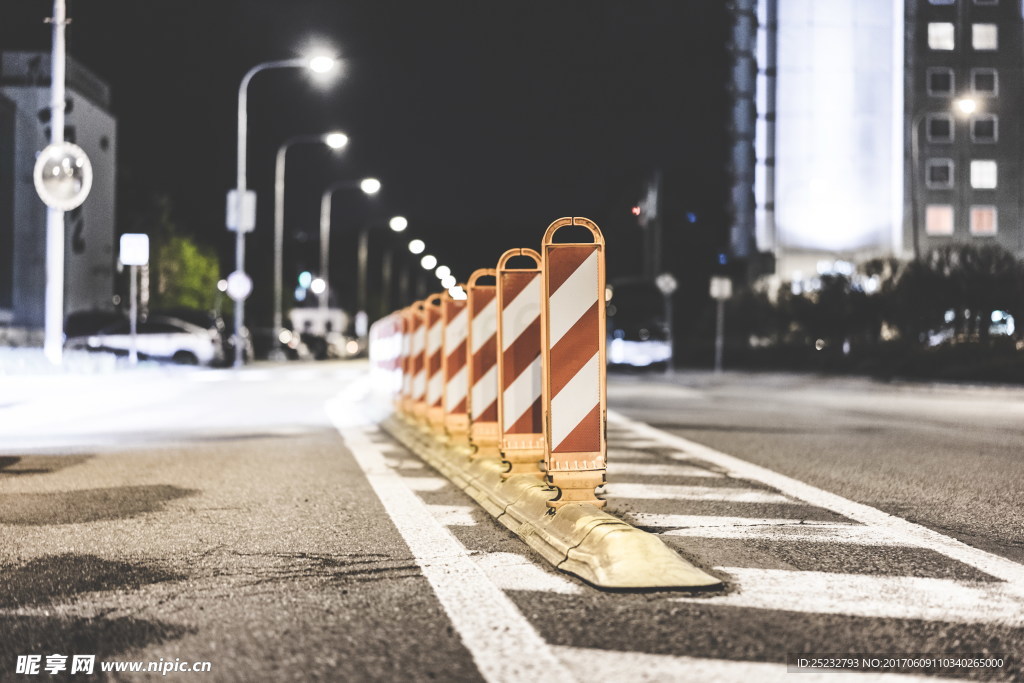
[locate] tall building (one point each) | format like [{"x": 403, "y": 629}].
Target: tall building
[
  {"x": 90, "y": 256},
  {"x": 865, "y": 143}
]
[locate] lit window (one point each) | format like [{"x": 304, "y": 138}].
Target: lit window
[
  {"x": 984, "y": 128},
  {"x": 939, "y": 174},
  {"x": 940, "y": 81},
  {"x": 938, "y": 219},
  {"x": 983, "y": 174},
  {"x": 940, "y": 128},
  {"x": 984, "y": 37},
  {"x": 984, "y": 220},
  {"x": 940, "y": 35},
  {"x": 986, "y": 2},
  {"x": 941, "y": 2},
  {"x": 984, "y": 81}
]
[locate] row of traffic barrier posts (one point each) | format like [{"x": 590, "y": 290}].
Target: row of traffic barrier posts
[{"x": 516, "y": 369}]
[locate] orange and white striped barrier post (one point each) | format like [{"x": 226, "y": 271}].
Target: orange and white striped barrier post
[
  {"x": 483, "y": 364},
  {"x": 417, "y": 402},
  {"x": 433, "y": 354},
  {"x": 573, "y": 348},
  {"x": 455, "y": 318},
  {"x": 410, "y": 325},
  {"x": 405, "y": 377},
  {"x": 519, "y": 365}
]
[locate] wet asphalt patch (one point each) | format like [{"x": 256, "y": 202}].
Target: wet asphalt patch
[{"x": 89, "y": 505}]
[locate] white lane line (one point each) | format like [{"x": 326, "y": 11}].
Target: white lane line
[
  {"x": 425, "y": 484},
  {"x": 404, "y": 463},
  {"x": 659, "y": 470},
  {"x": 453, "y": 515},
  {"x": 491, "y": 627},
  {"x": 851, "y": 534},
  {"x": 906, "y": 533},
  {"x": 876, "y": 597},
  {"x": 640, "y": 667},
  {"x": 513, "y": 572},
  {"x": 711, "y": 493},
  {"x": 698, "y": 522}
]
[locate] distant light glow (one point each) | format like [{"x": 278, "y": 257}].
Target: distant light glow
[
  {"x": 318, "y": 286},
  {"x": 285, "y": 337},
  {"x": 417, "y": 246},
  {"x": 321, "y": 64},
  {"x": 222, "y": 285},
  {"x": 966, "y": 105},
  {"x": 457, "y": 293},
  {"x": 336, "y": 140},
  {"x": 448, "y": 281},
  {"x": 369, "y": 185},
  {"x": 443, "y": 272},
  {"x": 428, "y": 262},
  {"x": 691, "y": 217},
  {"x": 636, "y": 210},
  {"x": 305, "y": 279},
  {"x": 398, "y": 223},
  {"x": 352, "y": 346}
]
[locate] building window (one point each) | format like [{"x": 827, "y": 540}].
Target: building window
[
  {"x": 983, "y": 174},
  {"x": 986, "y": 2},
  {"x": 984, "y": 128},
  {"x": 940, "y": 128},
  {"x": 984, "y": 220},
  {"x": 941, "y": 2},
  {"x": 938, "y": 219},
  {"x": 984, "y": 37},
  {"x": 940, "y": 81},
  {"x": 984, "y": 82},
  {"x": 938, "y": 174},
  {"x": 940, "y": 35}
]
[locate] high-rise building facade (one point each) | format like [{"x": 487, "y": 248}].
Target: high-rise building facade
[
  {"x": 90, "y": 257},
  {"x": 882, "y": 127}
]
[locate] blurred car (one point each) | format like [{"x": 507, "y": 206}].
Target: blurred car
[
  {"x": 159, "y": 337},
  {"x": 638, "y": 335}
]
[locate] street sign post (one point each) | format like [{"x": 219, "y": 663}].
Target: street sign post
[
  {"x": 134, "y": 252},
  {"x": 721, "y": 290},
  {"x": 241, "y": 214}
]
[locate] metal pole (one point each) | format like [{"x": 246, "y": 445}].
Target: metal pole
[
  {"x": 276, "y": 353},
  {"x": 325, "y": 244},
  {"x": 386, "y": 277},
  {"x": 671, "y": 335},
  {"x": 53, "y": 324},
  {"x": 363, "y": 254},
  {"x": 403, "y": 287},
  {"x": 914, "y": 208},
  {"x": 719, "y": 335},
  {"x": 133, "y": 315}
]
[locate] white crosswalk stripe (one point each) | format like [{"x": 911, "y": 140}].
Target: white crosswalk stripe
[{"x": 670, "y": 492}]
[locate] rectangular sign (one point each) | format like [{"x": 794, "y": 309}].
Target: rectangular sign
[
  {"x": 241, "y": 214},
  {"x": 134, "y": 249}
]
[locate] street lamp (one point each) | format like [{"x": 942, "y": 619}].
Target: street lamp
[
  {"x": 318, "y": 64},
  {"x": 965, "y": 106},
  {"x": 369, "y": 186},
  {"x": 417, "y": 246},
  {"x": 335, "y": 141},
  {"x": 428, "y": 262}
]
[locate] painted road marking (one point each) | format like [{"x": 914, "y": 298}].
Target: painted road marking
[
  {"x": 659, "y": 470},
  {"x": 513, "y": 572},
  {"x": 491, "y": 627},
  {"x": 670, "y": 492},
  {"x": 647, "y": 668},
  {"x": 453, "y": 515},
  {"x": 901, "y": 531},
  {"x": 701, "y": 522},
  {"x": 856, "y": 534},
  {"x": 879, "y": 597},
  {"x": 425, "y": 484}
]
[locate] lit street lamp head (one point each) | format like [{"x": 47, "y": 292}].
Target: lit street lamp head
[
  {"x": 417, "y": 246},
  {"x": 428, "y": 262},
  {"x": 443, "y": 272},
  {"x": 336, "y": 140},
  {"x": 369, "y": 185},
  {"x": 398, "y": 223},
  {"x": 966, "y": 105},
  {"x": 322, "y": 64}
]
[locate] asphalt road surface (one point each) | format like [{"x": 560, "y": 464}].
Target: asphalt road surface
[{"x": 258, "y": 521}]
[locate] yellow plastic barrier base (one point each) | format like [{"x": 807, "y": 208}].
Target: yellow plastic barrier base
[{"x": 577, "y": 538}]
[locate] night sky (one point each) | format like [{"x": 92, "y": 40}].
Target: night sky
[{"x": 484, "y": 121}]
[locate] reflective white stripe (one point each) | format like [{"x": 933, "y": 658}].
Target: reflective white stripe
[
  {"x": 669, "y": 492},
  {"x": 574, "y": 298},
  {"x": 485, "y": 391},
  {"x": 456, "y": 332},
  {"x": 434, "y": 338},
  {"x": 521, "y": 394},
  {"x": 651, "y": 469},
  {"x": 520, "y": 312},
  {"x": 419, "y": 339},
  {"x": 457, "y": 387},
  {"x": 484, "y": 325},
  {"x": 435, "y": 385},
  {"x": 419, "y": 384},
  {"x": 575, "y": 401},
  {"x": 877, "y": 597}
]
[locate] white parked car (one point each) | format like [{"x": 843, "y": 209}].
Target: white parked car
[{"x": 159, "y": 337}]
